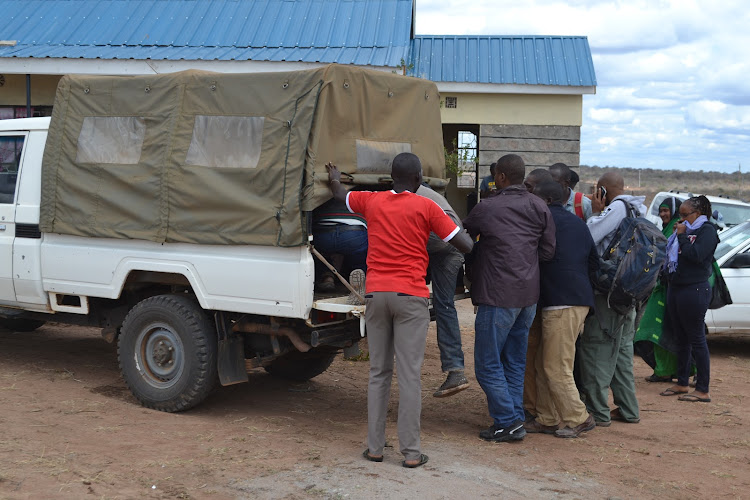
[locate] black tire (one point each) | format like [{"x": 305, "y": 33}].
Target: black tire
[
  {"x": 21, "y": 324},
  {"x": 167, "y": 351},
  {"x": 301, "y": 366}
]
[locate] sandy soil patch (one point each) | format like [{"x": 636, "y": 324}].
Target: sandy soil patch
[{"x": 69, "y": 428}]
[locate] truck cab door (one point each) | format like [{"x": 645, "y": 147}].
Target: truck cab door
[{"x": 11, "y": 155}]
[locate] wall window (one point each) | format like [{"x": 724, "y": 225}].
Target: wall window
[
  {"x": 111, "y": 139},
  {"x": 226, "y": 141},
  {"x": 468, "y": 153},
  {"x": 11, "y": 148}
]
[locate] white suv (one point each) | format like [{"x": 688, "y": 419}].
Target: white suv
[
  {"x": 733, "y": 256},
  {"x": 732, "y": 211}
]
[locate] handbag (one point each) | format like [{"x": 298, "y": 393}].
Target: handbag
[{"x": 720, "y": 296}]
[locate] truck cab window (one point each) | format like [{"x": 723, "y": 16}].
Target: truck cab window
[{"x": 11, "y": 148}]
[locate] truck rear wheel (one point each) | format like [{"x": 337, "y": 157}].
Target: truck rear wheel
[
  {"x": 301, "y": 366},
  {"x": 167, "y": 353},
  {"x": 21, "y": 324}
]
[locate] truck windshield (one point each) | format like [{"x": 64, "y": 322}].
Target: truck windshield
[
  {"x": 731, "y": 238},
  {"x": 733, "y": 214}
]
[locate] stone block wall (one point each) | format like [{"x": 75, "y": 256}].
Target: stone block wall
[{"x": 539, "y": 146}]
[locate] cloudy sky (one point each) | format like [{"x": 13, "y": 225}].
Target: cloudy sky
[{"x": 673, "y": 76}]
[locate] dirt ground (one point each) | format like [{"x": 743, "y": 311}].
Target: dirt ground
[{"x": 69, "y": 428}]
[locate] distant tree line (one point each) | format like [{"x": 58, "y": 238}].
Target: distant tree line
[{"x": 734, "y": 185}]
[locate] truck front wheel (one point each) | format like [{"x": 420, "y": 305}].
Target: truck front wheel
[
  {"x": 167, "y": 353},
  {"x": 301, "y": 366}
]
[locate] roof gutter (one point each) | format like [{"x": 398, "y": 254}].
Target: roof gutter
[
  {"x": 512, "y": 88},
  {"x": 64, "y": 66}
]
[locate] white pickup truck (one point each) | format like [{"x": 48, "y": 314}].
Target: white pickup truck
[{"x": 194, "y": 280}]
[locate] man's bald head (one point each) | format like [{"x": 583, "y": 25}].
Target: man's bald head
[
  {"x": 512, "y": 169},
  {"x": 612, "y": 180},
  {"x": 406, "y": 171},
  {"x": 613, "y": 183}
]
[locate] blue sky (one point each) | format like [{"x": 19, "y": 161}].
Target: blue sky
[{"x": 673, "y": 76}]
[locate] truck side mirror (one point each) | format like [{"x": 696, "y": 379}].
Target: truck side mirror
[{"x": 739, "y": 261}]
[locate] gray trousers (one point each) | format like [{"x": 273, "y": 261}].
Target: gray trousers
[{"x": 396, "y": 324}]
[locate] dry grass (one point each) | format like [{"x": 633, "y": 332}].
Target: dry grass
[
  {"x": 649, "y": 181},
  {"x": 47, "y": 462}
]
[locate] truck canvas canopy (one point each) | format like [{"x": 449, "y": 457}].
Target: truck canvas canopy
[{"x": 217, "y": 158}]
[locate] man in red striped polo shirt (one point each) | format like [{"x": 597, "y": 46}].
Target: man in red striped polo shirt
[{"x": 397, "y": 316}]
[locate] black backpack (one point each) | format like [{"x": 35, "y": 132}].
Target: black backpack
[{"x": 630, "y": 266}]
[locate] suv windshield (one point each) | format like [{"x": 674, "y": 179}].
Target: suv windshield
[
  {"x": 731, "y": 238},
  {"x": 733, "y": 214}
]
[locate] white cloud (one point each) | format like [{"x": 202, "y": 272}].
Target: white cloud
[
  {"x": 672, "y": 75},
  {"x": 632, "y": 98},
  {"x": 609, "y": 25},
  {"x": 607, "y": 115},
  {"x": 717, "y": 115}
]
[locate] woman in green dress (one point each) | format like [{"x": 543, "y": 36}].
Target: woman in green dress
[{"x": 651, "y": 342}]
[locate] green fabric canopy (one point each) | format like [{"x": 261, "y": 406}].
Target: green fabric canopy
[{"x": 214, "y": 158}]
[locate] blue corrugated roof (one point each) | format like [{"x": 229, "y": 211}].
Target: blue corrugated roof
[
  {"x": 364, "y": 32},
  {"x": 532, "y": 60}
]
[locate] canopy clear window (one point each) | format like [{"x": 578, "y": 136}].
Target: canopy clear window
[
  {"x": 111, "y": 139},
  {"x": 226, "y": 141},
  {"x": 376, "y": 157}
]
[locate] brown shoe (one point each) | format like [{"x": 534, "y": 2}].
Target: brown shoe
[
  {"x": 568, "y": 432},
  {"x": 534, "y": 426},
  {"x": 616, "y": 414}
]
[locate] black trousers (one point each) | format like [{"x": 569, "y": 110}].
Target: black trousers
[{"x": 686, "y": 308}]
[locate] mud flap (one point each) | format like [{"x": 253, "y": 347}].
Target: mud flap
[
  {"x": 231, "y": 356},
  {"x": 352, "y": 351}
]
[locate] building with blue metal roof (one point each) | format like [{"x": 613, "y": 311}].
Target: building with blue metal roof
[
  {"x": 363, "y": 32},
  {"x": 504, "y": 60},
  {"x": 520, "y": 94}
]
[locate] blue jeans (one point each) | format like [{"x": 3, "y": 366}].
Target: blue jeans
[
  {"x": 444, "y": 267},
  {"x": 501, "y": 335},
  {"x": 342, "y": 239}
]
